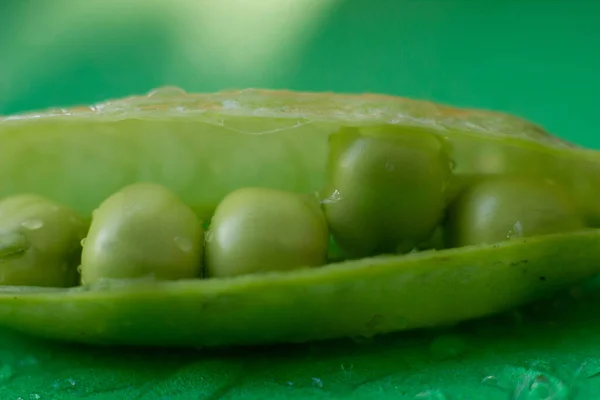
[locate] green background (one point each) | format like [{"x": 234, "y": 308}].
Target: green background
[{"x": 537, "y": 59}]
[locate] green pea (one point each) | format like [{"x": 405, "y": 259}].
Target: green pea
[
  {"x": 503, "y": 208},
  {"x": 258, "y": 230},
  {"x": 386, "y": 191},
  {"x": 39, "y": 242},
  {"x": 144, "y": 230}
]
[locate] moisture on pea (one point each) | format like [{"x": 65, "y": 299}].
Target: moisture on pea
[{"x": 144, "y": 230}]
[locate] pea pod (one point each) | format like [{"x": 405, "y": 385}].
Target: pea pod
[{"x": 205, "y": 146}]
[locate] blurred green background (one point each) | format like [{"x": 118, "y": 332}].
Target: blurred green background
[{"x": 538, "y": 59}]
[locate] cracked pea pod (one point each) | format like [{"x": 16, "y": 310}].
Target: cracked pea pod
[{"x": 311, "y": 201}]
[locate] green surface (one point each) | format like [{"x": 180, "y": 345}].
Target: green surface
[
  {"x": 553, "y": 348},
  {"x": 533, "y": 58}
]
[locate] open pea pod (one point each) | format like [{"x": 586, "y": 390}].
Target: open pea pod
[{"x": 204, "y": 146}]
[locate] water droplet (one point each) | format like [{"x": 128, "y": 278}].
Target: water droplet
[
  {"x": 518, "y": 228},
  {"x": 448, "y": 346},
  {"x": 431, "y": 395},
  {"x": 83, "y": 242},
  {"x": 166, "y": 91},
  {"x": 183, "y": 243},
  {"x": 64, "y": 384},
  {"x": 32, "y": 224},
  {"x": 333, "y": 198},
  {"x": 515, "y": 231},
  {"x": 318, "y": 383},
  {"x": 34, "y": 396},
  {"x": 290, "y": 383},
  {"x": 492, "y": 381}
]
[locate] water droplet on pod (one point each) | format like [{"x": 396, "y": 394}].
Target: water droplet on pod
[
  {"x": 166, "y": 91},
  {"x": 65, "y": 384},
  {"x": 516, "y": 230}
]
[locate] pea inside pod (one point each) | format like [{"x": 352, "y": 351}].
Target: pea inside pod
[
  {"x": 144, "y": 230},
  {"x": 39, "y": 242},
  {"x": 386, "y": 190},
  {"x": 389, "y": 184},
  {"x": 504, "y": 208},
  {"x": 258, "y": 230}
]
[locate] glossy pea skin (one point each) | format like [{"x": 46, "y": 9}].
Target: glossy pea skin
[
  {"x": 39, "y": 242},
  {"x": 386, "y": 190},
  {"x": 258, "y": 230},
  {"x": 144, "y": 230},
  {"x": 503, "y": 208}
]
